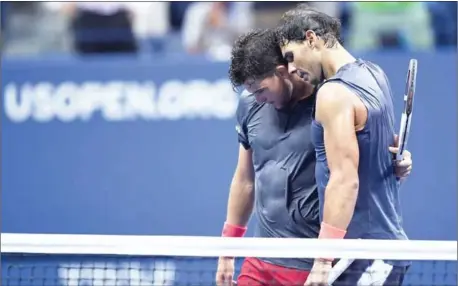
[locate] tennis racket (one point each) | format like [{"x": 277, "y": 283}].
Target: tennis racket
[
  {"x": 406, "y": 117},
  {"x": 338, "y": 269}
]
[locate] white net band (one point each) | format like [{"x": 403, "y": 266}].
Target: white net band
[
  {"x": 204, "y": 246},
  {"x": 110, "y": 260}
]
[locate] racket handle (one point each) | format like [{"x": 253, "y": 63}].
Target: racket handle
[
  {"x": 402, "y": 139},
  {"x": 338, "y": 269}
]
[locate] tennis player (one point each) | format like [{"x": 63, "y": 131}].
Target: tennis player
[
  {"x": 276, "y": 162},
  {"x": 352, "y": 130}
]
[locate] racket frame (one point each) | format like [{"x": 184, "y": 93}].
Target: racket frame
[{"x": 406, "y": 116}]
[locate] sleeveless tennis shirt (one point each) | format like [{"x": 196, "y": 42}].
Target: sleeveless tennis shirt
[{"x": 378, "y": 211}]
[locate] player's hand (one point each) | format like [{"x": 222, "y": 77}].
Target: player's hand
[
  {"x": 319, "y": 274},
  {"x": 403, "y": 168},
  {"x": 225, "y": 271}
]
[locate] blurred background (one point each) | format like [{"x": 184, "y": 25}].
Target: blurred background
[
  {"x": 118, "y": 117},
  {"x": 157, "y": 29}
]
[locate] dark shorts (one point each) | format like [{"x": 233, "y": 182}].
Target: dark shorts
[
  {"x": 255, "y": 272},
  {"x": 371, "y": 272}
]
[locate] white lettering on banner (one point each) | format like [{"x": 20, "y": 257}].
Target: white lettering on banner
[
  {"x": 160, "y": 273},
  {"x": 120, "y": 101}
]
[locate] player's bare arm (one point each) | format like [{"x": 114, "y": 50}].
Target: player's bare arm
[
  {"x": 241, "y": 195},
  {"x": 239, "y": 209},
  {"x": 336, "y": 113}
]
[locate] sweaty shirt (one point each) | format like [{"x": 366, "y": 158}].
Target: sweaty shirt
[
  {"x": 377, "y": 212},
  {"x": 286, "y": 198}
]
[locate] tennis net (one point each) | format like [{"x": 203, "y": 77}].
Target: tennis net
[{"x": 110, "y": 260}]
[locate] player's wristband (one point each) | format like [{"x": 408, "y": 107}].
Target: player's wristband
[
  {"x": 230, "y": 230},
  {"x": 330, "y": 232}
]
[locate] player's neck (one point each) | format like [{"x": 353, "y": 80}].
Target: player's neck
[{"x": 335, "y": 58}]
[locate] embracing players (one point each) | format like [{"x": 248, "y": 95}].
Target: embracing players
[
  {"x": 276, "y": 165},
  {"x": 352, "y": 131}
]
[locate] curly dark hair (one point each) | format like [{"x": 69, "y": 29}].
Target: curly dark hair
[
  {"x": 295, "y": 22},
  {"x": 255, "y": 55}
]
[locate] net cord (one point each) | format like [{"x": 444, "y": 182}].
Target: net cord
[{"x": 205, "y": 246}]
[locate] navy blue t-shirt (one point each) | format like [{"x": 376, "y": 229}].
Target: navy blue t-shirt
[{"x": 286, "y": 197}]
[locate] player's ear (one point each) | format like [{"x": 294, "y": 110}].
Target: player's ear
[
  {"x": 310, "y": 38},
  {"x": 281, "y": 71}
]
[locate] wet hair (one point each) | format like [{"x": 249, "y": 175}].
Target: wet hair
[
  {"x": 255, "y": 55},
  {"x": 297, "y": 21}
]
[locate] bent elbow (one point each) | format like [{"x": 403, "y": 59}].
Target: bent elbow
[
  {"x": 353, "y": 186},
  {"x": 242, "y": 186},
  {"x": 346, "y": 181},
  {"x": 351, "y": 182}
]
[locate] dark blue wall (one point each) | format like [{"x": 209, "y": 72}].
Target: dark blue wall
[{"x": 135, "y": 147}]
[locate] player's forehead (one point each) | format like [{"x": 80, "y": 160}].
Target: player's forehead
[{"x": 254, "y": 85}]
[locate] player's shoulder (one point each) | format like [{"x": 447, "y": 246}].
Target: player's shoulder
[
  {"x": 361, "y": 69},
  {"x": 372, "y": 64},
  {"x": 247, "y": 105},
  {"x": 333, "y": 92},
  {"x": 247, "y": 99},
  {"x": 333, "y": 97},
  {"x": 375, "y": 75}
]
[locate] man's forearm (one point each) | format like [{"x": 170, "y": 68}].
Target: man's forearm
[
  {"x": 340, "y": 200},
  {"x": 240, "y": 204}
]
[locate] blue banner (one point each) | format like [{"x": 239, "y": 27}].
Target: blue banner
[{"x": 132, "y": 147}]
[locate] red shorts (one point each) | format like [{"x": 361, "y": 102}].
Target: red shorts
[{"x": 255, "y": 272}]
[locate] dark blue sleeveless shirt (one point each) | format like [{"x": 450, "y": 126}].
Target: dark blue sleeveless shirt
[{"x": 378, "y": 211}]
